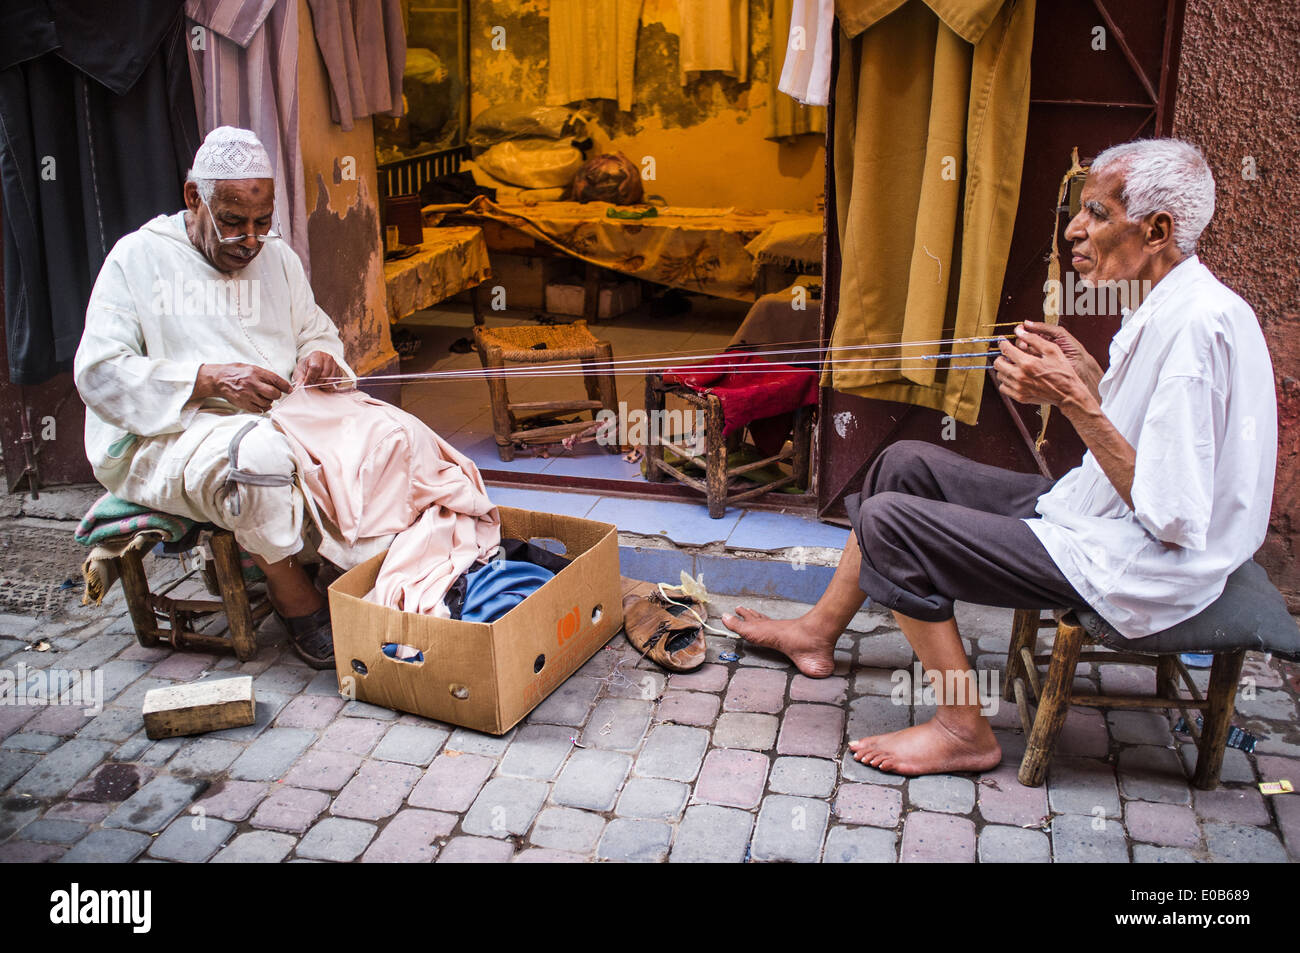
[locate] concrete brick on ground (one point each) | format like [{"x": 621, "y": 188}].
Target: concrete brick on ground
[
  {"x": 860, "y": 845},
  {"x": 107, "y": 847},
  {"x": 591, "y": 779},
  {"x": 336, "y": 838},
  {"x": 634, "y": 841},
  {"x": 256, "y": 847},
  {"x": 618, "y": 723},
  {"x": 323, "y": 770},
  {"x": 1167, "y": 825},
  {"x": 709, "y": 834},
  {"x": 231, "y": 800},
  {"x": 941, "y": 838},
  {"x": 942, "y": 793},
  {"x": 537, "y": 752},
  {"x": 732, "y": 777},
  {"x": 811, "y": 730},
  {"x": 451, "y": 782},
  {"x": 756, "y": 690},
  {"x": 505, "y": 806},
  {"x": 873, "y": 804},
  {"x": 271, "y": 755},
  {"x": 688, "y": 708},
  {"x": 475, "y": 850},
  {"x": 564, "y": 828},
  {"x": 1080, "y": 839},
  {"x": 410, "y": 837},
  {"x": 652, "y": 799},
  {"x": 191, "y": 840},
  {"x": 290, "y": 810},
  {"x": 746, "y": 730},
  {"x": 999, "y": 844},
  {"x": 155, "y": 805},
  {"x": 377, "y": 791},
  {"x": 790, "y": 829},
  {"x": 807, "y": 777},
  {"x": 674, "y": 752}
]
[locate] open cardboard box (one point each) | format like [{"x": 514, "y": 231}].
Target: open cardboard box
[{"x": 485, "y": 676}]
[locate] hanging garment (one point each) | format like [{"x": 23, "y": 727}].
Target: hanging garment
[
  {"x": 715, "y": 36},
  {"x": 810, "y": 28},
  {"x": 245, "y": 74},
  {"x": 363, "y": 44},
  {"x": 592, "y": 51},
  {"x": 97, "y": 128},
  {"x": 158, "y": 311},
  {"x": 785, "y": 116},
  {"x": 377, "y": 478},
  {"x": 931, "y": 107}
]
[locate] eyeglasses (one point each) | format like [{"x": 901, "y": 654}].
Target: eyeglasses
[{"x": 263, "y": 238}]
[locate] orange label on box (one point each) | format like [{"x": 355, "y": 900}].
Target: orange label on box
[{"x": 567, "y": 627}]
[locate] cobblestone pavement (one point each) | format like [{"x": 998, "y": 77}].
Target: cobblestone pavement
[{"x": 740, "y": 760}]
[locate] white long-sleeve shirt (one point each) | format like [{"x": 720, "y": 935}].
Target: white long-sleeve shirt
[
  {"x": 159, "y": 310},
  {"x": 1190, "y": 387}
]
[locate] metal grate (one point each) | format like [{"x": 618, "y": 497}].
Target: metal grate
[
  {"x": 406, "y": 176},
  {"x": 40, "y": 569}
]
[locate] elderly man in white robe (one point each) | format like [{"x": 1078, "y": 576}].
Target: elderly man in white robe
[{"x": 198, "y": 322}]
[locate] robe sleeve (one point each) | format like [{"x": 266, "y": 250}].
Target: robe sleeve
[
  {"x": 313, "y": 329},
  {"x": 116, "y": 379}
]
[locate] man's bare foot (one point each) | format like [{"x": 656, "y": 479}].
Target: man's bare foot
[
  {"x": 931, "y": 748},
  {"x": 812, "y": 653}
]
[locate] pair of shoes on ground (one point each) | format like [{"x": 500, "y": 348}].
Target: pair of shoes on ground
[
  {"x": 312, "y": 637},
  {"x": 663, "y": 631}
]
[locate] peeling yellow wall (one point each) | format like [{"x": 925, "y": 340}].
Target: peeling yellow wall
[
  {"x": 706, "y": 138},
  {"x": 347, "y": 264}
]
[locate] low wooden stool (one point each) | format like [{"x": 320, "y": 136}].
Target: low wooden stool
[
  {"x": 223, "y": 578},
  {"x": 544, "y": 344},
  {"x": 719, "y": 479},
  {"x": 1250, "y": 614}
]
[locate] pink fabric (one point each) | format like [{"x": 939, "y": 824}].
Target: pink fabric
[{"x": 373, "y": 470}]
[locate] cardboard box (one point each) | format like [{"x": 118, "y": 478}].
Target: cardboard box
[
  {"x": 525, "y": 278},
  {"x": 485, "y": 676},
  {"x": 615, "y": 299}
]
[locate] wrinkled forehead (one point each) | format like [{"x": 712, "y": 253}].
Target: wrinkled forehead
[
  {"x": 1106, "y": 187},
  {"x": 252, "y": 197}
]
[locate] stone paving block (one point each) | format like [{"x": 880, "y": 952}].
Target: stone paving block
[
  {"x": 29, "y": 852},
  {"x": 1167, "y": 825},
  {"x": 652, "y": 799},
  {"x": 360, "y": 709},
  {"x": 1083, "y": 735},
  {"x": 876, "y": 715},
  {"x": 830, "y": 691},
  {"x": 377, "y": 791},
  {"x": 118, "y": 674},
  {"x": 706, "y": 678},
  {"x": 789, "y": 829},
  {"x": 888, "y": 650},
  {"x": 267, "y": 709},
  {"x": 1240, "y": 844},
  {"x": 107, "y": 847},
  {"x": 191, "y": 840},
  {"x": 860, "y": 845},
  {"x": 943, "y": 793},
  {"x": 591, "y": 779},
  {"x": 16, "y": 813},
  {"x": 756, "y": 656},
  {"x": 853, "y": 770},
  {"x": 1140, "y": 728},
  {"x": 537, "y": 751},
  {"x": 313, "y": 712},
  {"x": 673, "y": 752},
  {"x": 1236, "y": 767},
  {"x": 231, "y": 800},
  {"x": 1288, "y": 822},
  {"x": 132, "y": 749},
  {"x": 1004, "y": 800},
  {"x": 1147, "y": 854},
  {"x": 56, "y": 773},
  {"x": 812, "y": 730},
  {"x": 411, "y": 744},
  {"x": 636, "y": 683},
  {"x": 807, "y": 777},
  {"x": 256, "y": 847},
  {"x": 113, "y": 724},
  {"x": 323, "y": 770},
  {"x": 1081, "y": 785},
  {"x": 61, "y": 720},
  {"x": 270, "y": 756},
  {"x": 352, "y": 735},
  {"x": 1013, "y": 845},
  {"x": 475, "y": 742},
  {"x": 13, "y": 717},
  {"x": 160, "y": 752},
  {"x": 1233, "y": 806},
  {"x": 451, "y": 782},
  {"x": 712, "y": 835},
  {"x": 688, "y": 708},
  {"x": 564, "y": 828},
  {"x": 1268, "y": 704},
  {"x": 756, "y": 690},
  {"x": 618, "y": 723},
  {"x": 53, "y": 831},
  {"x": 544, "y": 855},
  {"x": 204, "y": 756},
  {"x": 873, "y": 681},
  {"x": 732, "y": 777},
  {"x": 634, "y": 841},
  {"x": 283, "y": 679},
  {"x": 1149, "y": 773},
  {"x": 410, "y": 837},
  {"x": 337, "y": 839},
  {"x": 155, "y": 805},
  {"x": 323, "y": 683},
  {"x": 505, "y": 806},
  {"x": 872, "y": 804},
  {"x": 291, "y": 810},
  {"x": 183, "y": 666},
  {"x": 1128, "y": 679},
  {"x": 14, "y": 764},
  {"x": 746, "y": 730},
  {"x": 112, "y": 782},
  {"x": 476, "y": 850},
  {"x": 84, "y": 811},
  {"x": 1088, "y": 839},
  {"x": 937, "y": 838},
  {"x": 569, "y": 704}
]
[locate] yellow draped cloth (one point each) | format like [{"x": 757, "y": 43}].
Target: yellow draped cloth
[
  {"x": 592, "y": 51},
  {"x": 785, "y": 115},
  {"x": 931, "y": 106}
]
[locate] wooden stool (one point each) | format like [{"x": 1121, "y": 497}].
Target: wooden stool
[
  {"x": 718, "y": 477},
  {"x": 543, "y": 344},
  {"x": 1054, "y": 693},
  {"x": 222, "y": 576}
]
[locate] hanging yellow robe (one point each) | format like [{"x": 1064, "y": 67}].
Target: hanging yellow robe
[
  {"x": 931, "y": 106},
  {"x": 592, "y": 47}
]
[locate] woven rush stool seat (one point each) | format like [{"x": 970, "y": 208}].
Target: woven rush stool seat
[
  {"x": 1249, "y": 615},
  {"x": 539, "y": 345}
]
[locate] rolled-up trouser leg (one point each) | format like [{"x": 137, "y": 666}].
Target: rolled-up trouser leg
[
  {"x": 267, "y": 520},
  {"x": 922, "y": 469}
]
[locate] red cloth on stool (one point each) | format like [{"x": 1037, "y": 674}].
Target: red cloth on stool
[{"x": 752, "y": 390}]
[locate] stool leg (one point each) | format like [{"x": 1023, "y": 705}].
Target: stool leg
[
  {"x": 491, "y": 357},
  {"x": 135, "y": 584},
  {"x": 599, "y": 379},
  {"x": 802, "y": 463},
  {"x": 654, "y": 450},
  {"x": 591, "y": 294},
  {"x": 225, "y": 557},
  {"x": 1222, "y": 696},
  {"x": 1024, "y": 635},
  {"x": 1053, "y": 706},
  {"x": 1166, "y": 672},
  {"x": 715, "y": 455}
]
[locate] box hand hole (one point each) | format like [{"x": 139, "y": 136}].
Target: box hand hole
[
  {"x": 596, "y": 613},
  {"x": 538, "y": 663}
]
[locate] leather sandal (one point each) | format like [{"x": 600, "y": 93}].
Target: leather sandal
[
  {"x": 312, "y": 637},
  {"x": 675, "y": 643}
]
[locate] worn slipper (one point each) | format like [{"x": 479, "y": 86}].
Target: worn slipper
[
  {"x": 312, "y": 637},
  {"x": 676, "y": 644}
]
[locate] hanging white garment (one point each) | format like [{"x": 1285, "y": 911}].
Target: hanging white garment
[{"x": 807, "y": 73}]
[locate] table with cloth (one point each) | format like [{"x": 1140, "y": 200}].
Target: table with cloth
[{"x": 450, "y": 260}]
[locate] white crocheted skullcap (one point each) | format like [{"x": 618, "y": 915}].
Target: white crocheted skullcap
[{"x": 231, "y": 153}]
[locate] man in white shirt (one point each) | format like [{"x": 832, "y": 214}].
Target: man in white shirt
[
  {"x": 197, "y": 323},
  {"x": 1173, "y": 494}
]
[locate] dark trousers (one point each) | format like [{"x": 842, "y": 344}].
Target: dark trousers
[{"x": 935, "y": 527}]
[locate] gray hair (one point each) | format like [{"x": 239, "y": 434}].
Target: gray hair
[
  {"x": 207, "y": 187},
  {"x": 1164, "y": 175}
]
